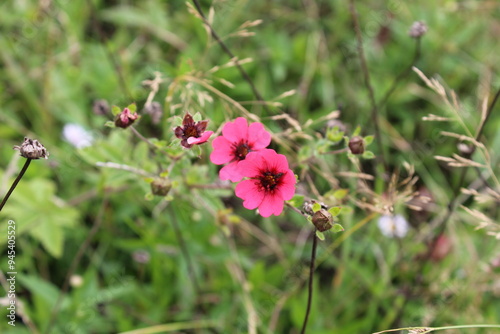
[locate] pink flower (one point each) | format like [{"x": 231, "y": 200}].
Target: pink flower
[
  {"x": 191, "y": 132},
  {"x": 237, "y": 140},
  {"x": 271, "y": 182}
]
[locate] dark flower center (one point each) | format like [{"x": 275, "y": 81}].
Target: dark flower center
[
  {"x": 241, "y": 151},
  {"x": 270, "y": 180},
  {"x": 191, "y": 131}
]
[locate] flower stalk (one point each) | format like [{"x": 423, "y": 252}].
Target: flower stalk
[
  {"x": 16, "y": 181},
  {"x": 311, "y": 277}
]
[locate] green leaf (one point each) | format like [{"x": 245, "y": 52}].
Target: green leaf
[
  {"x": 132, "y": 107},
  {"x": 115, "y": 110},
  {"x": 334, "y": 211},
  {"x": 320, "y": 235},
  {"x": 368, "y": 155},
  {"x": 368, "y": 140},
  {"x": 110, "y": 124},
  {"x": 296, "y": 201},
  {"x": 357, "y": 131},
  {"x": 316, "y": 207},
  {"x": 39, "y": 213},
  {"x": 337, "y": 228},
  {"x": 340, "y": 194},
  {"x": 197, "y": 117}
]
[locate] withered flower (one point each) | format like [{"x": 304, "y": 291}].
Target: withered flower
[
  {"x": 32, "y": 149},
  {"x": 192, "y": 132}
]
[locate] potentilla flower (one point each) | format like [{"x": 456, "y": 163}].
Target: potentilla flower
[
  {"x": 237, "y": 140},
  {"x": 271, "y": 182},
  {"x": 191, "y": 132}
]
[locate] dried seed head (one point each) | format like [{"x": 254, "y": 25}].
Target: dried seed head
[
  {"x": 418, "y": 29},
  {"x": 323, "y": 220},
  {"x": 357, "y": 145},
  {"x": 32, "y": 149},
  {"x": 161, "y": 186}
]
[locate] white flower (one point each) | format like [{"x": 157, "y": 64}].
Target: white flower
[
  {"x": 77, "y": 136},
  {"x": 393, "y": 226}
]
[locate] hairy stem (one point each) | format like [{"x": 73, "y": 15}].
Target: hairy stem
[
  {"x": 369, "y": 87},
  {"x": 16, "y": 181},
  {"x": 311, "y": 276}
]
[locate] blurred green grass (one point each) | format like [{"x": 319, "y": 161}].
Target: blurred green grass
[{"x": 60, "y": 56}]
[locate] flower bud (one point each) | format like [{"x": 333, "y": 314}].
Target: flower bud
[
  {"x": 357, "y": 145},
  {"x": 32, "y": 149},
  {"x": 418, "y": 29},
  {"x": 161, "y": 186},
  {"x": 126, "y": 118},
  {"x": 323, "y": 220}
]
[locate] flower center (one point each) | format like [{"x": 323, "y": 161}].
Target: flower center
[
  {"x": 270, "y": 180},
  {"x": 191, "y": 131},
  {"x": 241, "y": 151}
]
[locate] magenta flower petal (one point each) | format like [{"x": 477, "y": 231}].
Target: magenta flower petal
[
  {"x": 287, "y": 188},
  {"x": 252, "y": 165},
  {"x": 271, "y": 205},
  {"x": 204, "y": 137},
  {"x": 231, "y": 172},
  {"x": 236, "y": 131},
  {"x": 222, "y": 152},
  {"x": 248, "y": 190},
  {"x": 258, "y": 137}
]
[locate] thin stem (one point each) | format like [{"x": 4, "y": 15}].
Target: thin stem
[
  {"x": 366, "y": 75},
  {"x": 74, "y": 264},
  {"x": 311, "y": 276},
  {"x": 16, "y": 181},
  {"x": 403, "y": 74},
  {"x": 141, "y": 137},
  {"x": 224, "y": 47}
]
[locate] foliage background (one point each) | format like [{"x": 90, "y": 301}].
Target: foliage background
[{"x": 60, "y": 56}]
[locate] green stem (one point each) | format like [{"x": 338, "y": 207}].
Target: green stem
[{"x": 16, "y": 181}]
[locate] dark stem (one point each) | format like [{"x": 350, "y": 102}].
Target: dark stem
[
  {"x": 366, "y": 75},
  {"x": 488, "y": 113},
  {"x": 224, "y": 47},
  {"x": 16, "y": 181},
  {"x": 74, "y": 264},
  {"x": 403, "y": 74},
  {"x": 311, "y": 276}
]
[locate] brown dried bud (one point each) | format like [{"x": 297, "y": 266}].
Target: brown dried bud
[
  {"x": 357, "y": 145},
  {"x": 100, "y": 107},
  {"x": 126, "y": 118},
  {"x": 323, "y": 220},
  {"x": 161, "y": 186},
  {"x": 418, "y": 29},
  {"x": 32, "y": 149}
]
